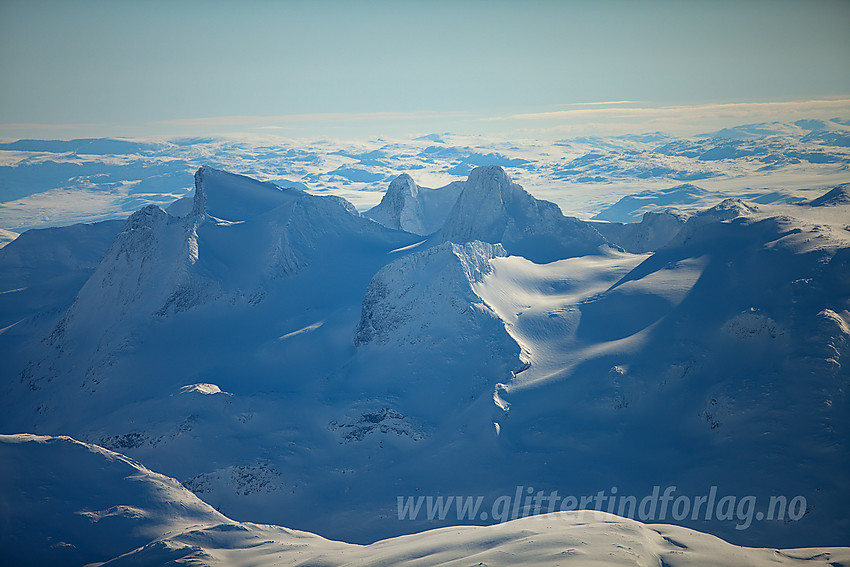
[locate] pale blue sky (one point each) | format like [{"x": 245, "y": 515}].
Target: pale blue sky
[{"x": 312, "y": 68}]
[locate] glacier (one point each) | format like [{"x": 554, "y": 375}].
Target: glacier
[{"x": 295, "y": 362}]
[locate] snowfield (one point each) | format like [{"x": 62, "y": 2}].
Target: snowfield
[
  {"x": 286, "y": 360},
  {"x": 77, "y": 503},
  {"x": 46, "y": 183}
]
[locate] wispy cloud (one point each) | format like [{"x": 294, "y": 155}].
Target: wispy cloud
[
  {"x": 602, "y": 103},
  {"x": 741, "y": 109},
  {"x": 279, "y": 121},
  {"x": 45, "y": 127},
  {"x": 619, "y": 118},
  {"x": 583, "y": 118}
]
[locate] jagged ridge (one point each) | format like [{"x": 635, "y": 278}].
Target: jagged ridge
[
  {"x": 420, "y": 210},
  {"x": 492, "y": 208}
]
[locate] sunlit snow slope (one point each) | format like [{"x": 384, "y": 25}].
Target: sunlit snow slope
[
  {"x": 293, "y": 362},
  {"x": 70, "y": 503}
]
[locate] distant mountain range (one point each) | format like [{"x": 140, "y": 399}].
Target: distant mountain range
[
  {"x": 47, "y": 183},
  {"x": 294, "y": 362}
]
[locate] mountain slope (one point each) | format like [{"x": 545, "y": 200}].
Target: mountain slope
[
  {"x": 491, "y": 208},
  {"x": 409, "y": 207},
  {"x": 632, "y": 207},
  {"x": 410, "y": 296},
  {"x": 240, "y": 239},
  {"x": 44, "y": 268},
  {"x": 40, "y": 274},
  {"x": 728, "y": 345},
  {"x": 653, "y": 231},
  {"x": 70, "y": 503},
  {"x": 424, "y": 303},
  {"x": 66, "y": 502},
  {"x": 837, "y": 196},
  {"x": 365, "y": 363}
]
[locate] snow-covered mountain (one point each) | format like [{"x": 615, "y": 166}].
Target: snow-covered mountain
[
  {"x": 420, "y": 210},
  {"x": 42, "y": 271},
  {"x": 654, "y": 230},
  {"x": 237, "y": 241},
  {"x": 837, "y": 196},
  {"x": 632, "y": 207},
  {"x": 293, "y": 362},
  {"x": 72, "y": 503},
  {"x": 420, "y": 294},
  {"x": 731, "y": 338},
  {"x": 492, "y": 208},
  {"x": 45, "y": 183},
  {"x": 45, "y": 268},
  {"x": 421, "y": 313}
]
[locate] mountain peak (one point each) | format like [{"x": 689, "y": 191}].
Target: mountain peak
[
  {"x": 420, "y": 210},
  {"x": 698, "y": 225},
  {"x": 837, "y": 196},
  {"x": 730, "y": 209},
  {"x": 234, "y": 197},
  {"x": 490, "y": 184},
  {"x": 480, "y": 212},
  {"x": 199, "y": 203},
  {"x": 494, "y": 209},
  {"x": 146, "y": 217},
  {"x": 400, "y": 208},
  {"x": 403, "y": 184},
  {"x": 426, "y": 302},
  {"x": 492, "y": 178}
]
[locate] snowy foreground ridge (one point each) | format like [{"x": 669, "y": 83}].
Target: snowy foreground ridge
[
  {"x": 286, "y": 360},
  {"x": 77, "y": 503}
]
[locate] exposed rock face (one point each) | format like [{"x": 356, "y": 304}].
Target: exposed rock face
[
  {"x": 409, "y": 207},
  {"x": 492, "y": 208},
  {"x": 411, "y": 297}
]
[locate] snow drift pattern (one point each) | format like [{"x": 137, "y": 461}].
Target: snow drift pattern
[
  {"x": 355, "y": 356},
  {"x": 94, "y": 505}
]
